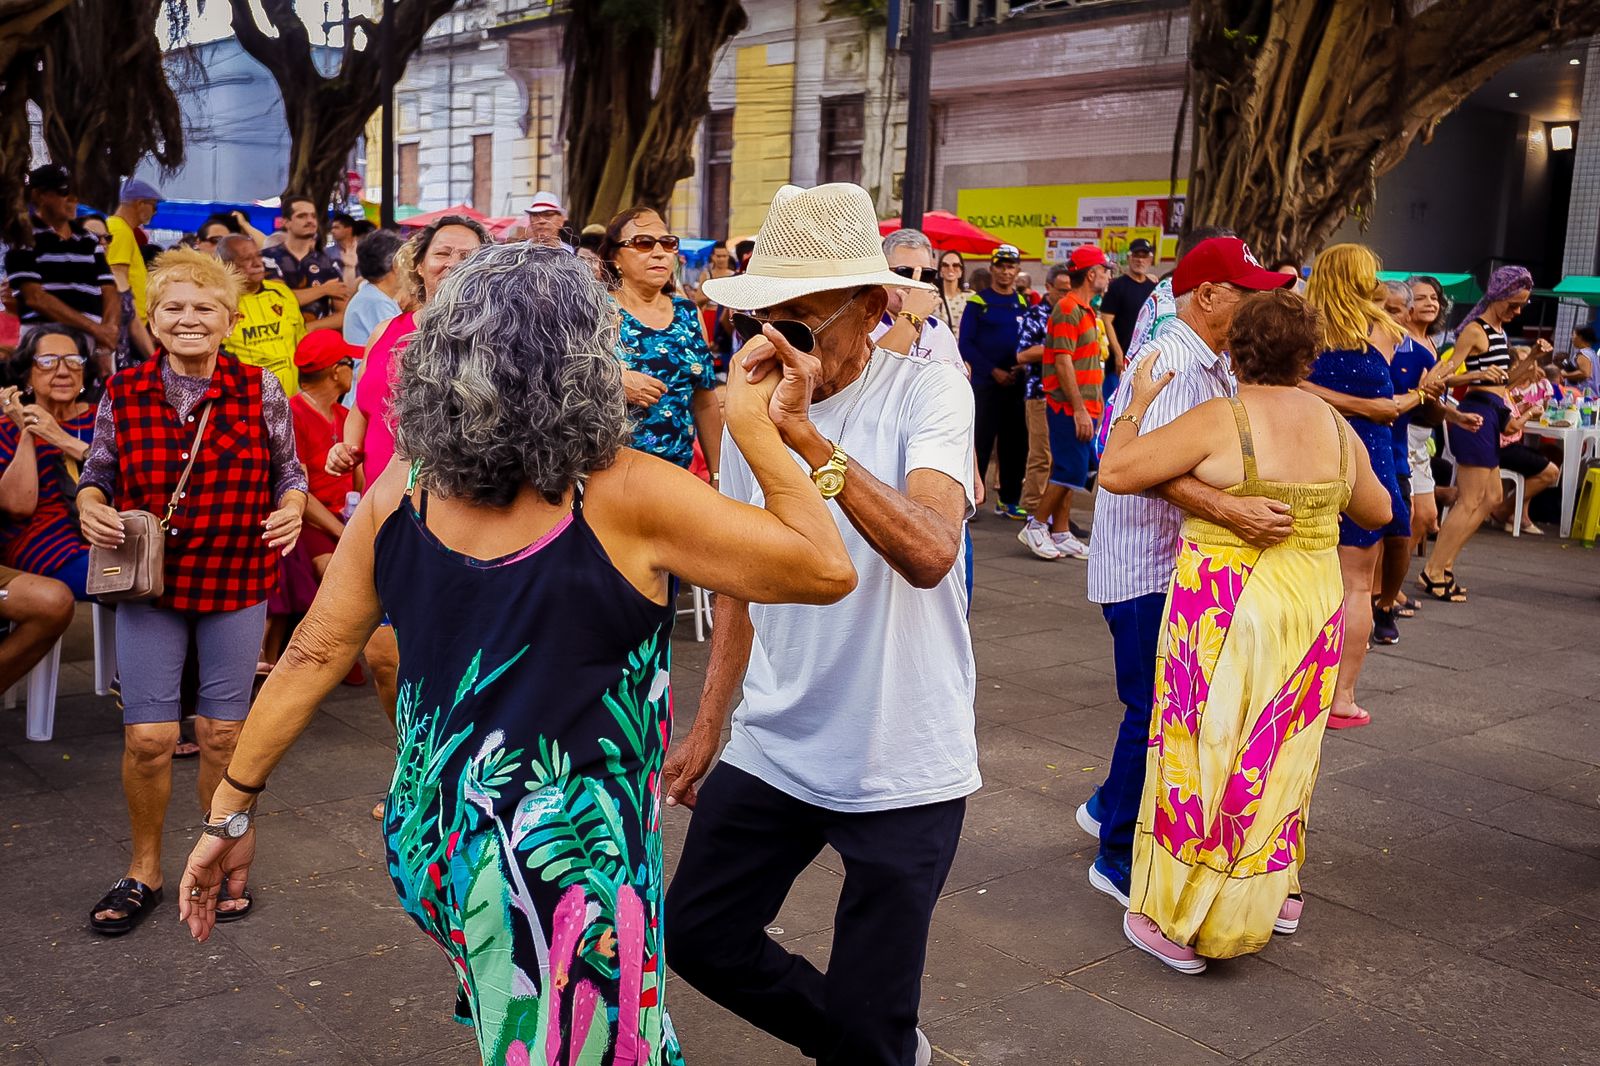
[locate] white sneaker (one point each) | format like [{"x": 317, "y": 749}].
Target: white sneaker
[
  {"x": 1067, "y": 545},
  {"x": 1086, "y": 821},
  {"x": 1036, "y": 535},
  {"x": 924, "y": 1050}
]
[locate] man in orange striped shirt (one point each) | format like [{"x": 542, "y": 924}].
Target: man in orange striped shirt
[{"x": 1074, "y": 371}]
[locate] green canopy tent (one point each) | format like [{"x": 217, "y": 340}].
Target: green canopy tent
[
  {"x": 1461, "y": 288},
  {"x": 1575, "y": 288}
]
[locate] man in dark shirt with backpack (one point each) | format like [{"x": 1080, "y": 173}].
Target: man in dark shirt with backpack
[{"x": 988, "y": 343}]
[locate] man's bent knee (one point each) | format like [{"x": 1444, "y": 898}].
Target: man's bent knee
[{"x": 151, "y": 744}]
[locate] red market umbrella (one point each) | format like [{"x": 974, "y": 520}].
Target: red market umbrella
[
  {"x": 428, "y": 218},
  {"x": 949, "y": 233},
  {"x": 500, "y": 228}
]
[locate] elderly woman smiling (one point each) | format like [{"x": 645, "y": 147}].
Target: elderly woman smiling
[
  {"x": 242, "y": 504},
  {"x": 523, "y": 555}
]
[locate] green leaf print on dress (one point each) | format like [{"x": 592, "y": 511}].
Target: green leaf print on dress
[{"x": 563, "y": 872}]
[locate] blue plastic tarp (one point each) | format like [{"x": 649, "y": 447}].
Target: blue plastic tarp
[
  {"x": 696, "y": 253},
  {"x": 185, "y": 216}
]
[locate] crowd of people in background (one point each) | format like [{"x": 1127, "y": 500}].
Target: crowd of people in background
[{"x": 1264, "y": 452}]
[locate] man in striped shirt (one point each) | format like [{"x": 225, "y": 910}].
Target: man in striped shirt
[
  {"x": 63, "y": 277},
  {"x": 1135, "y": 544}
]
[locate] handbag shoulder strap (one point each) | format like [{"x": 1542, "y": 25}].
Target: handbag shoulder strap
[{"x": 183, "y": 478}]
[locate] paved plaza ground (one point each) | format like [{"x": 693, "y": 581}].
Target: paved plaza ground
[{"x": 1453, "y": 871}]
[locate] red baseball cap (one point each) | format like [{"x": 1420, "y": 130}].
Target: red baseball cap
[
  {"x": 321, "y": 349},
  {"x": 1085, "y": 256},
  {"x": 1225, "y": 260}
]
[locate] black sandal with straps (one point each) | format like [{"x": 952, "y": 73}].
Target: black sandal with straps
[
  {"x": 1446, "y": 591},
  {"x": 134, "y": 899}
]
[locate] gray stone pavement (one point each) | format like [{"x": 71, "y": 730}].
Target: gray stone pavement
[{"x": 1453, "y": 870}]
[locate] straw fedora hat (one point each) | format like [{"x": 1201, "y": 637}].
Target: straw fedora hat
[{"x": 813, "y": 240}]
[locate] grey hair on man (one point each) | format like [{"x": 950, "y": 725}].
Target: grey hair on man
[
  {"x": 228, "y": 247},
  {"x": 1055, "y": 272},
  {"x": 512, "y": 379},
  {"x": 907, "y": 238},
  {"x": 1401, "y": 289},
  {"x": 375, "y": 253}
]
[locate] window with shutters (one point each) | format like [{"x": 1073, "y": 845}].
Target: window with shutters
[
  {"x": 843, "y": 129},
  {"x": 718, "y": 188}
]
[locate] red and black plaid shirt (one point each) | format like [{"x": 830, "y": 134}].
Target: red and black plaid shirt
[{"x": 216, "y": 559}]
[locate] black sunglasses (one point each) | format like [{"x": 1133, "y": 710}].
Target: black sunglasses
[
  {"x": 927, "y": 275},
  {"x": 800, "y": 336},
  {"x": 643, "y": 242}
]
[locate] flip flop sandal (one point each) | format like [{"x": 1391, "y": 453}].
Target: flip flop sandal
[
  {"x": 1445, "y": 591},
  {"x": 223, "y": 917},
  {"x": 134, "y": 898},
  {"x": 186, "y": 749},
  {"x": 1348, "y": 721}
]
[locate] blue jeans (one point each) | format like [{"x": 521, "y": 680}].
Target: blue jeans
[{"x": 1135, "y": 631}]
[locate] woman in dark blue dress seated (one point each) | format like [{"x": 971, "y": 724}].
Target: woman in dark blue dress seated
[
  {"x": 524, "y": 555},
  {"x": 1353, "y": 375}
]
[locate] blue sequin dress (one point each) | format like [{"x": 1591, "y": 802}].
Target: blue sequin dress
[{"x": 1365, "y": 375}]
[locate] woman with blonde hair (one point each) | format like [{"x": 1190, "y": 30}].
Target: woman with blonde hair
[{"x": 1359, "y": 339}]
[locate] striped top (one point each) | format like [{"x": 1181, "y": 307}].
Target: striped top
[
  {"x": 1135, "y": 542},
  {"x": 1073, "y": 340},
  {"x": 72, "y": 269},
  {"x": 1497, "y": 354},
  {"x": 48, "y": 539}
]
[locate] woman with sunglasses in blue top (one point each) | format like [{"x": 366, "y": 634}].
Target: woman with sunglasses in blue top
[{"x": 668, "y": 377}]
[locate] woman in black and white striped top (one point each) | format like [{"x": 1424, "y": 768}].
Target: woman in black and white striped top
[{"x": 1484, "y": 354}]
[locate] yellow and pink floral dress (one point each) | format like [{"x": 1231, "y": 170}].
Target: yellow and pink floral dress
[{"x": 1244, "y": 676}]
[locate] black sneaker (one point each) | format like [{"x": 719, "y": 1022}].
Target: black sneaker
[{"x": 1384, "y": 628}]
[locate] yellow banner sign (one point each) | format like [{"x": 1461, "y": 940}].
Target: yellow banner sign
[{"x": 1020, "y": 214}]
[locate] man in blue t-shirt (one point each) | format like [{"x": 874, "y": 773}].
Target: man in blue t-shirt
[{"x": 988, "y": 343}]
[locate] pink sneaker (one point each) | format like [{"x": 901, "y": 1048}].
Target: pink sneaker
[
  {"x": 1289, "y": 916},
  {"x": 1145, "y": 935}
]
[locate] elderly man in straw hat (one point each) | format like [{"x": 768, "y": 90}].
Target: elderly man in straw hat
[{"x": 855, "y": 727}]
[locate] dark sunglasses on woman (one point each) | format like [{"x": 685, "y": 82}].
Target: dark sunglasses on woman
[
  {"x": 644, "y": 242},
  {"x": 926, "y": 275}
]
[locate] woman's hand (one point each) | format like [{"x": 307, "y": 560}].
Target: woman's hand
[
  {"x": 101, "y": 524},
  {"x": 11, "y": 403},
  {"x": 342, "y": 459},
  {"x": 1146, "y": 386},
  {"x": 213, "y": 860},
  {"x": 920, "y": 302},
  {"x": 42, "y": 424},
  {"x": 747, "y": 403},
  {"x": 1494, "y": 375},
  {"x": 1383, "y": 410},
  {"x": 1470, "y": 423},
  {"x": 641, "y": 390},
  {"x": 283, "y": 526}
]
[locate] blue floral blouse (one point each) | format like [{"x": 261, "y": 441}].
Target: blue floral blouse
[{"x": 680, "y": 359}]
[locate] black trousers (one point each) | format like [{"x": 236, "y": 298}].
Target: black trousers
[
  {"x": 747, "y": 844},
  {"x": 1001, "y": 417}
]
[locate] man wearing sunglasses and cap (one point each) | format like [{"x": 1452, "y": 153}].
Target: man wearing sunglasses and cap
[
  {"x": 999, "y": 383},
  {"x": 855, "y": 729}
]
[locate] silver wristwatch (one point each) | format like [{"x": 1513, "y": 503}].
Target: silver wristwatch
[{"x": 231, "y": 827}]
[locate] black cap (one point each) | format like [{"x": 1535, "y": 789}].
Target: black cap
[
  {"x": 1141, "y": 247},
  {"x": 52, "y": 177}
]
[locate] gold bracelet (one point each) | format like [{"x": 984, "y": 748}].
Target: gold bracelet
[{"x": 1125, "y": 417}]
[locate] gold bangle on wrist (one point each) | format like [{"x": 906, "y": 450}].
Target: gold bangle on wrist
[{"x": 1128, "y": 417}]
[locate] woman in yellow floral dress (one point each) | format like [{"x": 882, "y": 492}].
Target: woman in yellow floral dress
[{"x": 1250, "y": 649}]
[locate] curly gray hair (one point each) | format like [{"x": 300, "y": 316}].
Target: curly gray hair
[{"x": 512, "y": 378}]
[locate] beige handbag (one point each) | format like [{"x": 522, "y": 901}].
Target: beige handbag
[{"x": 133, "y": 570}]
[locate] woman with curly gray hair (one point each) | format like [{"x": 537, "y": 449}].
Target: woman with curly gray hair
[{"x": 526, "y": 557}]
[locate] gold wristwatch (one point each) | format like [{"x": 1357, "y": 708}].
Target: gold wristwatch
[{"x": 829, "y": 477}]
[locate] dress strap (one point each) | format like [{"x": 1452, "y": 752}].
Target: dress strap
[
  {"x": 1247, "y": 444},
  {"x": 417, "y": 502},
  {"x": 1344, "y": 450}
]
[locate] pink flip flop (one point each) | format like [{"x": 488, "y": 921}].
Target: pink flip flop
[{"x": 1348, "y": 721}]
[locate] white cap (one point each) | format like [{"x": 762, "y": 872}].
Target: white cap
[
  {"x": 813, "y": 240},
  {"x": 544, "y": 200}
]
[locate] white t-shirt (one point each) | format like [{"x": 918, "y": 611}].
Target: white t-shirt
[
  {"x": 866, "y": 704},
  {"x": 935, "y": 344}
]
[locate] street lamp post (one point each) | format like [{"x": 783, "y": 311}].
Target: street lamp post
[{"x": 919, "y": 125}]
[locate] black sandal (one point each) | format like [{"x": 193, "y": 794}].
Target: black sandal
[
  {"x": 223, "y": 916},
  {"x": 1446, "y": 591},
  {"x": 135, "y": 898}
]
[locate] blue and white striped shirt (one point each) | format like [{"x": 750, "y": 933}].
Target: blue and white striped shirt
[{"x": 1135, "y": 542}]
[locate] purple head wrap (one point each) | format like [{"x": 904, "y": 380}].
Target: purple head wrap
[{"x": 1503, "y": 284}]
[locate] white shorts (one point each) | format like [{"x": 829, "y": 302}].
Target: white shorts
[{"x": 1417, "y": 438}]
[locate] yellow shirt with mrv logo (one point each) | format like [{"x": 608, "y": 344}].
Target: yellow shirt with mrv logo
[{"x": 270, "y": 327}]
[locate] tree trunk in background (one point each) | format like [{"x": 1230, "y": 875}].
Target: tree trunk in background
[
  {"x": 1301, "y": 105},
  {"x": 327, "y": 114},
  {"x": 57, "y": 53},
  {"x": 625, "y": 144}
]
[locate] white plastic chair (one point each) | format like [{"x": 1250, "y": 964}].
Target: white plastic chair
[
  {"x": 1521, "y": 487},
  {"x": 43, "y": 680},
  {"x": 700, "y": 607}
]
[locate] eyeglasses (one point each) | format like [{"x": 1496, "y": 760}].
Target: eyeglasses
[
  {"x": 643, "y": 242},
  {"x": 927, "y": 275},
  {"x": 50, "y": 362},
  {"x": 347, "y": 363},
  {"x": 801, "y": 337}
]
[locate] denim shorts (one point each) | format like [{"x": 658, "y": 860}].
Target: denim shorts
[{"x": 1071, "y": 459}]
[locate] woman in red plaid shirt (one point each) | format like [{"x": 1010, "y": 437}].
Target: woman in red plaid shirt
[{"x": 239, "y": 512}]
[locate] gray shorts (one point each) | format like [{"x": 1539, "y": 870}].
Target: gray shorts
[{"x": 152, "y": 643}]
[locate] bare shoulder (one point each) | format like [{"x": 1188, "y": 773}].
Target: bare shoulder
[
  {"x": 639, "y": 488},
  {"x": 387, "y": 492}
]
